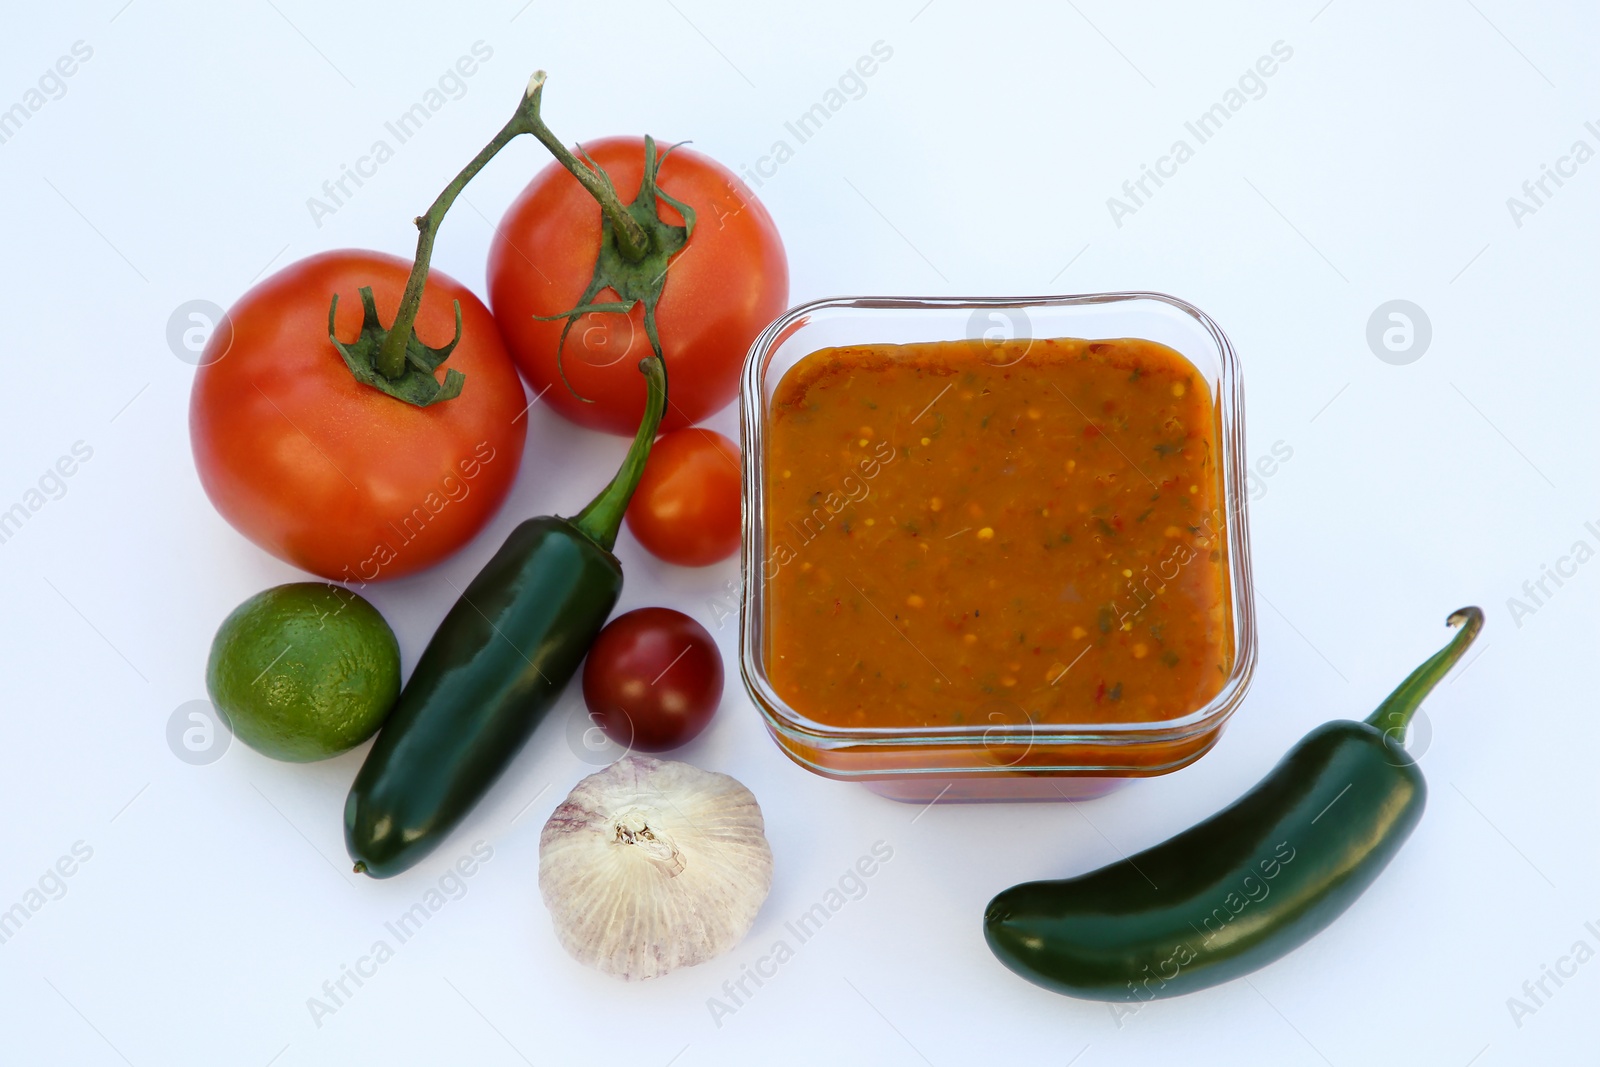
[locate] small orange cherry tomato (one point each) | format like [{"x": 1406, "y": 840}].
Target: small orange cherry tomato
[{"x": 686, "y": 509}]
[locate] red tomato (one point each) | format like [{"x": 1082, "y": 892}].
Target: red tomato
[
  {"x": 334, "y": 476},
  {"x": 723, "y": 288},
  {"x": 686, "y": 509},
  {"x": 653, "y": 679}
]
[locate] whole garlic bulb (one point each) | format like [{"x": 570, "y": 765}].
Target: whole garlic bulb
[{"x": 651, "y": 865}]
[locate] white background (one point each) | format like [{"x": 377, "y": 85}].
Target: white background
[{"x": 1376, "y": 166}]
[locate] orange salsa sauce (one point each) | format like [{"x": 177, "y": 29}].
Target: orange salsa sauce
[{"x": 960, "y": 533}]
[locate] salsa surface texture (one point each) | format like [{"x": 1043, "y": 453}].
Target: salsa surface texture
[{"x": 964, "y": 533}]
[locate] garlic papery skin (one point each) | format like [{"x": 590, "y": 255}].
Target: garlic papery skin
[{"x": 651, "y": 865}]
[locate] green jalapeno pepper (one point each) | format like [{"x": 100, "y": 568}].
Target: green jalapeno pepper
[
  {"x": 1247, "y": 885},
  {"x": 493, "y": 669}
]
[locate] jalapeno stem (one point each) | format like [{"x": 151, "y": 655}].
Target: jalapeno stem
[
  {"x": 601, "y": 520},
  {"x": 1394, "y": 714}
]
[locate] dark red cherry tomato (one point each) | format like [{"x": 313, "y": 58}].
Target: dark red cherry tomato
[{"x": 653, "y": 679}]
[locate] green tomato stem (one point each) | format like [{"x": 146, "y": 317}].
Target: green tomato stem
[
  {"x": 1394, "y": 714},
  {"x": 632, "y": 241},
  {"x": 602, "y": 519},
  {"x": 631, "y": 238},
  {"x": 391, "y": 358}
]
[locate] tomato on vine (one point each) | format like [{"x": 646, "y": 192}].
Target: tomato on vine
[
  {"x": 329, "y": 438},
  {"x": 333, "y": 474},
  {"x": 580, "y": 287}
]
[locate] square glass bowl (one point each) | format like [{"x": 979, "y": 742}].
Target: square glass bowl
[{"x": 996, "y": 760}]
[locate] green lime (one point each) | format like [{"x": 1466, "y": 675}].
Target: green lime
[{"x": 304, "y": 671}]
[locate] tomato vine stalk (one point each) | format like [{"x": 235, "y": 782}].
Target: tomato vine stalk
[{"x": 395, "y": 360}]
